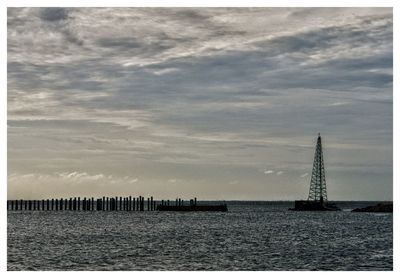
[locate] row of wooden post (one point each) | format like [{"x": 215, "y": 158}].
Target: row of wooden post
[
  {"x": 90, "y": 204},
  {"x": 86, "y": 204}
]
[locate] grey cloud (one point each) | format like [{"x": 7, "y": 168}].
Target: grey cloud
[
  {"x": 200, "y": 93},
  {"x": 53, "y": 14}
]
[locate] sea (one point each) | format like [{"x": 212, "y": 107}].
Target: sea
[{"x": 254, "y": 236}]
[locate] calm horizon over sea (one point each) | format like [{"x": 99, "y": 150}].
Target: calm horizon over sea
[{"x": 252, "y": 235}]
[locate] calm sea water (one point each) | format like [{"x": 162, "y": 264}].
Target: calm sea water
[{"x": 251, "y": 236}]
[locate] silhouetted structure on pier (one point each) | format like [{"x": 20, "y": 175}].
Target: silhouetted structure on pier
[
  {"x": 192, "y": 206},
  {"x": 317, "y": 196},
  {"x": 109, "y": 204}
]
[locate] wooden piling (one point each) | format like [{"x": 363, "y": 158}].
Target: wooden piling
[
  {"x": 130, "y": 203},
  {"x": 151, "y": 203},
  {"x": 195, "y": 201}
]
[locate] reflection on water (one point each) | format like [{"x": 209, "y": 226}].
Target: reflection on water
[{"x": 251, "y": 236}]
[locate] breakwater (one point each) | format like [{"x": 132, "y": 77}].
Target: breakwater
[{"x": 129, "y": 203}]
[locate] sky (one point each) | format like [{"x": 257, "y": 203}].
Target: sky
[{"x": 213, "y": 103}]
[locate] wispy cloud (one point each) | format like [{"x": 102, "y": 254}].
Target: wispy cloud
[{"x": 175, "y": 92}]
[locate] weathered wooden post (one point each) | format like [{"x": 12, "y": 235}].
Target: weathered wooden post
[
  {"x": 104, "y": 203},
  {"x": 61, "y": 204},
  {"x": 52, "y": 204},
  {"x": 167, "y": 202},
  {"x": 133, "y": 204},
  {"x": 195, "y": 201},
  {"x": 70, "y": 204},
  {"x": 142, "y": 209},
  {"x": 92, "y": 203},
  {"x": 151, "y": 203},
  {"x": 130, "y": 203},
  {"x": 79, "y": 203},
  {"x": 176, "y": 202},
  {"x": 98, "y": 204},
  {"x": 47, "y": 204},
  {"x": 56, "y": 204}
]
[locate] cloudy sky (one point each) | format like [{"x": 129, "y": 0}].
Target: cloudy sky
[{"x": 213, "y": 103}]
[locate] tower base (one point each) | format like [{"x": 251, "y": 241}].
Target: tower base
[{"x": 301, "y": 205}]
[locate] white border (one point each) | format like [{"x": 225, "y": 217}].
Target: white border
[{"x": 193, "y": 3}]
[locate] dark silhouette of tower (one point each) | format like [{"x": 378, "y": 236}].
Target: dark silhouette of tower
[{"x": 318, "y": 184}]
